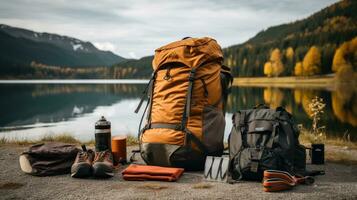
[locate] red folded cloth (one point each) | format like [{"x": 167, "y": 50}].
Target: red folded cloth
[
  {"x": 155, "y": 173},
  {"x": 275, "y": 180}
]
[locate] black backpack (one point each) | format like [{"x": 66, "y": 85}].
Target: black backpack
[{"x": 262, "y": 139}]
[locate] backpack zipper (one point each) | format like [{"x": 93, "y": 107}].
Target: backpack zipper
[{"x": 168, "y": 75}]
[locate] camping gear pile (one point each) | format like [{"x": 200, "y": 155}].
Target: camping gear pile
[{"x": 184, "y": 130}]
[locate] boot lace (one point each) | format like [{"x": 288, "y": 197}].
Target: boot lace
[
  {"x": 101, "y": 156},
  {"x": 82, "y": 156}
]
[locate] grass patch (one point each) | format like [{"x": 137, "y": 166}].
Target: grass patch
[
  {"x": 153, "y": 186},
  {"x": 340, "y": 157},
  {"x": 131, "y": 140},
  {"x": 65, "y": 138},
  {"x": 202, "y": 186},
  {"x": 89, "y": 142},
  {"x": 307, "y": 138},
  {"x": 10, "y": 185},
  {"x": 337, "y": 149}
]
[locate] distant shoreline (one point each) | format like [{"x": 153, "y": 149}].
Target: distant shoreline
[
  {"x": 281, "y": 82},
  {"x": 286, "y": 82},
  {"x": 76, "y": 81}
]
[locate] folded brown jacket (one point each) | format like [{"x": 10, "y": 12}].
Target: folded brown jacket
[{"x": 155, "y": 173}]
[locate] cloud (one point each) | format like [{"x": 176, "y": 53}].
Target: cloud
[
  {"x": 106, "y": 46},
  {"x": 139, "y": 27},
  {"x": 133, "y": 55}
]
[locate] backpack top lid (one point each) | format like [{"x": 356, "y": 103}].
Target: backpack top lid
[{"x": 192, "y": 52}]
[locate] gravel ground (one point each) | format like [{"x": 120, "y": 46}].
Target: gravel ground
[{"x": 340, "y": 182}]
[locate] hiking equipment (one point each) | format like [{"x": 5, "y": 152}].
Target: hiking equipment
[
  {"x": 48, "y": 159},
  {"x": 186, "y": 98},
  {"x": 102, "y": 135},
  {"x": 82, "y": 166},
  {"x": 216, "y": 169},
  {"x": 275, "y": 180},
  {"x": 103, "y": 164},
  {"x": 264, "y": 139},
  {"x": 151, "y": 173},
  {"x": 119, "y": 149}
]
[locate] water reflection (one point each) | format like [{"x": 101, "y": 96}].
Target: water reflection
[
  {"x": 273, "y": 97},
  {"x": 34, "y": 110},
  {"x": 344, "y": 104},
  {"x": 27, "y": 104}
]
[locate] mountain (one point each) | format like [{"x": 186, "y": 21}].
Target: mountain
[
  {"x": 326, "y": 30},
  {"x": 19, "y": 47},
  {"x": 134, "y": 68}
]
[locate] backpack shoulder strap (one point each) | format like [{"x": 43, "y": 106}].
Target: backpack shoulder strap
[
  {"x": 187, "y": 107},
  {"x": 147, "y": 95},
  {"x": 239, "y": 123}
]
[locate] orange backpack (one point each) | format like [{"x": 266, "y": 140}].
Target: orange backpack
[{"x": 186, "y": 101}]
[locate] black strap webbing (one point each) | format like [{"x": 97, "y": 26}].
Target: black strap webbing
[
  {"x": 145, "y": 93},
  {"x": 272, "y": 137},
  {"x": 166, "y": 125},
  {"x": 151, "y": 96},
  {"x": 194, "y": 139},
  {"x": 239, "y": 120},
  {"x": 141, "y": 121},
  {"x": 187, "y": 108},
  {"x": 149, "y": 88}
]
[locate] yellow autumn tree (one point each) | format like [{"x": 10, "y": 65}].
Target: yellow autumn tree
[
  {"x": 276, "y": 64},
  {"x": 339, "y": 57},
  {"x": 289, "y": 53},
  {"x": 229, "y": 61},
  {"x": 344, "y": 59},
  {"x": 298, "y": 70},
  {"x": 268, "y": 71},
  {"x": 312, "y": 62}
]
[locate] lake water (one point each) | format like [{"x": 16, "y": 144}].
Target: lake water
[{"x": 33, "y": 109}]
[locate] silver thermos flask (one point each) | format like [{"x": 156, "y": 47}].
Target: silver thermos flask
[{"x": 102, "y": 135}]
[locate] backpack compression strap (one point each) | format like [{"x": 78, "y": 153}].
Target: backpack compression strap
[{"x": 187, "y": 108}]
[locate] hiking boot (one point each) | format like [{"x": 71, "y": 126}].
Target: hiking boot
[
  {"x": 103, "y": 164},
  {"x": 82, "y": 166}
]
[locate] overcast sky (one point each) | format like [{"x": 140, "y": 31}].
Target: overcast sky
[{"x": 136, "y": 28}]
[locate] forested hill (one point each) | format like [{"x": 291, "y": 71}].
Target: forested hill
[
  {"x": 137, "y": 69},
  {"x": 19, "y": 47},
  {"x": 283, "y": 50}
]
